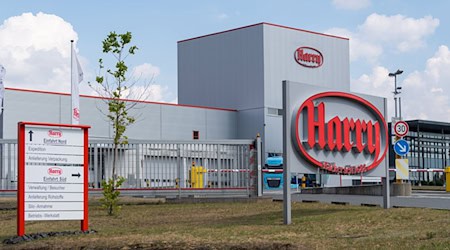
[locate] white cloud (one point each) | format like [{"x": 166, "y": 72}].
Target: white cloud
[
  {"x": 35, "y": 50},
  {"x": 425, "y": 94},
  {"x": 405, "y": 33},
  {"x": 145, "y": 71},
  {"x": 434, "y": 90},
  {"x": 153, "y": 93},
  {"x": 351, "y": 4},
  {"x": 359, "y": 47},
  {"x": 174, "y": 101},
  {"x": 379, "y": 32},
  {"x": 378, "y": 83}
]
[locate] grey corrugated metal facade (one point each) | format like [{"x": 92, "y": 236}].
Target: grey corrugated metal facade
[
  {"x": 238, "y": 73},
  {"x": 155, "y": 121},
  {"x": 243, "y": 69}
]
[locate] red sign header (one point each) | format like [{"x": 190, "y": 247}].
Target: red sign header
[{"x": 341, "y": 133}]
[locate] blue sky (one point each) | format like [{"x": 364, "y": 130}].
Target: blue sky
[{"x": 384, "y": 36}]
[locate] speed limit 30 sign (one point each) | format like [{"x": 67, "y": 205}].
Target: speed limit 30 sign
[{"x": 401, "y": 128}]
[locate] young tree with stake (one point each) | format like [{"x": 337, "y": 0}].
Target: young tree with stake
[{"x": 115, "y": 85}]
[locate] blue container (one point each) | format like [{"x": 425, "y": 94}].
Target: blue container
[{"x": 273, "y": 181}]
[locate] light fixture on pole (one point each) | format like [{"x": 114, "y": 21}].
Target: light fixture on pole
[{"x": 396, "y": 92}]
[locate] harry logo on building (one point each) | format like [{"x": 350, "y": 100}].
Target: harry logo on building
[
  {"x": 308, "y": 57},
  {"x": 341, "y": 133}
]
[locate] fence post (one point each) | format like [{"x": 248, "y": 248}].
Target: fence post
[
  {"x": 138, "y": 167},
  {"x": 95, "y": 166},
  {"x": 10, "y": 181},
  {"x": 180, "y": 180},
  {"x": 259, "y": 169},
  {"x": 219, "y": 172},
  {"x": 1, "y": 167}
]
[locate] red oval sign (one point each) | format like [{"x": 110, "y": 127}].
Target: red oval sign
[
  {"x": 55, "y": 133},
  {"x": 341, "y": 133},
  {"x": 308, "y": 57},
  {"x": 54, "y": 171}
]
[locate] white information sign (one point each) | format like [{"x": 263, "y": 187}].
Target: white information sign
[{"x": 54, "y": 176}]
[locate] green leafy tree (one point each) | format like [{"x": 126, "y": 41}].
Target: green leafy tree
[
  {"x": 115, "y": 85},
  {"x": 110, "y": 200}
]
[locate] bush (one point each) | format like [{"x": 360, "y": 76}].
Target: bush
[{"x": 111, "y": 194}]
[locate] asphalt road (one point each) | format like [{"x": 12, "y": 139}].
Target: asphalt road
[{"x": 420, "y": 199}]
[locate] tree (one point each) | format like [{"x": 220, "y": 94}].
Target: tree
[{"x": 114, "y": 85}]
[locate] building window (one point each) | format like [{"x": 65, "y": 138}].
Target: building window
[
  {"x": 274, "y": 111},
  {"x": 195, "y": 135}
]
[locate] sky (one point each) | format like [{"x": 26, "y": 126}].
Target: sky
[{"x": 385, "y": 35}]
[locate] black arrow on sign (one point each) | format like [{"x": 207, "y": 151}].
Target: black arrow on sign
[
  {"x": 31, "y": 135},
  {"x": 77, "y": 175}
]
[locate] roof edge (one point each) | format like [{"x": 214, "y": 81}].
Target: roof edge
[{"x": 264, "y": 23}]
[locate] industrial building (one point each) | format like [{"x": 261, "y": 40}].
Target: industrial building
[
  {"x": 430, "y": 151},
  {"x": 229, "y": 87},
  {"x": 243, "y": 69},
  {"x": 155, "y": 121}
]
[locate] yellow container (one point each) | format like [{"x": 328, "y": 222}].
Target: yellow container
[
  {"x": 303, "y": 181},
  {"x": 447, "y": 179},
  {"x": 196, "y": 177}
]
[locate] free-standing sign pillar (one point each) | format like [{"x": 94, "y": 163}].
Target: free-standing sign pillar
[
  {"x": 287, "y": 217},
  {"x": 53, "y": 173},
  {"x": 385, "y": 180},
  {"x": 259, "y": 163},
  {"x": 332, "y": 132}
]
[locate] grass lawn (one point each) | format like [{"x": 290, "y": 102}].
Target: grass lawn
[{"x": 243, "y": 225}]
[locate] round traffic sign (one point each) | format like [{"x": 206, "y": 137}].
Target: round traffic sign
[
  {"x": 401, "y": 147},
  {"x": 401, "y": 128}
]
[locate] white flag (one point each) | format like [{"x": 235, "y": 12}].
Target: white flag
[
  {"x": 2, "y": 87},
  {"x": 76, "y": 78}
]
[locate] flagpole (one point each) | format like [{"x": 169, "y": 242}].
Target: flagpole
[
  {"x": 76, "y": 77},
  {"x": 71, "y": 82}
]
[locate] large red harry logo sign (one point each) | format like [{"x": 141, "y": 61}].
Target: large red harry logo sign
[
  {"x": 341, "y": 133},
  {"x": 308, "y": 57}
]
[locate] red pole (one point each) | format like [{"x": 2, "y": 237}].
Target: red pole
[
  {"x": 85, "y": 221},
  {"x": 21, "y": 180}
]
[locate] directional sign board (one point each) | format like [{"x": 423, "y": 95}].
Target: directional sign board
[
  {"x": 401, "y": 147},
  {"x": 401, "y": 128},
  {"x": 52, "y": 173}
]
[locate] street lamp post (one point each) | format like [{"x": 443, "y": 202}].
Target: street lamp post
[{"x": 396, "y": 92}]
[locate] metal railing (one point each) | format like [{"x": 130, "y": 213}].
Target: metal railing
[
  {"x": 8, "y": 164},
  {"x": 227, "y": 167}
]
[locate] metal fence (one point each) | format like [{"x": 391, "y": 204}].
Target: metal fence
[
  {"x": 8, "y": 164},
  {"x": 208, "y": 168}
]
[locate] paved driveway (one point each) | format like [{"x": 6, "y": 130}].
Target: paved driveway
[{"x": 422, "y": 199}]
